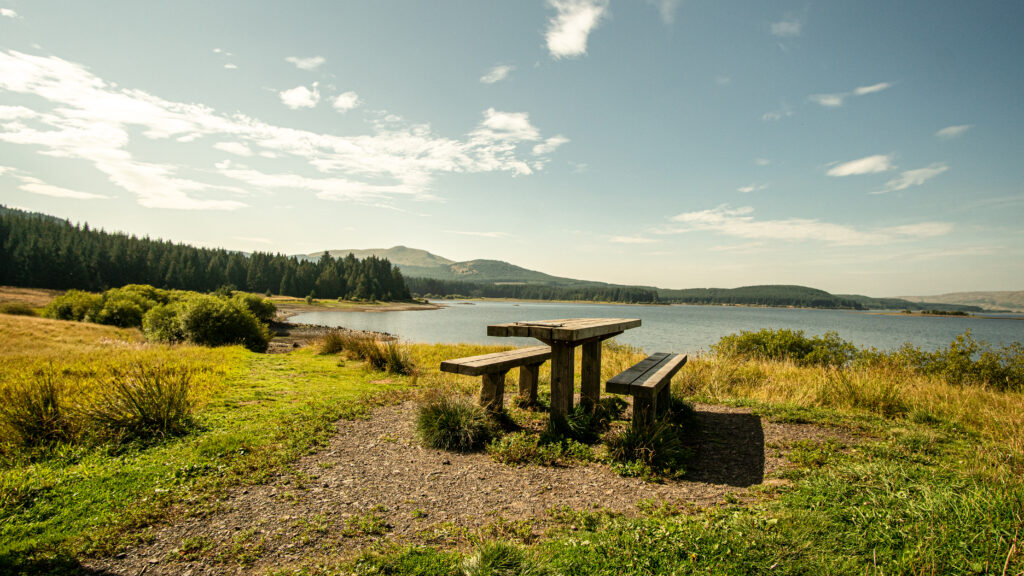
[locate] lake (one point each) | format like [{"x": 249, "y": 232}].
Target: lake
[{"x": 687, "y": 329}]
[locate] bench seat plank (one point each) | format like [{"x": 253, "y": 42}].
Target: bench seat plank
[
  {"x": 623, "y": 383},
  {"x": 648, "y": 382},
  {"x": 497, "y": 362}
]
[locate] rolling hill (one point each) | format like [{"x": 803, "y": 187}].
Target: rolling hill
[{"x": 1005, "y": 300}]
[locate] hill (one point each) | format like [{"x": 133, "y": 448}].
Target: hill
[{"x": 1005, "y": 300}]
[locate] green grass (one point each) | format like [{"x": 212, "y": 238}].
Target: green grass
[{"x": 271, "y": 409}]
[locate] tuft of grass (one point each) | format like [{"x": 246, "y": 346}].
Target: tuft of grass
[
  {"x": 650, "y": 451},
  {"x": 17, "y": 309},
  {"x": 35, "y": 412},
  {"x": 389, "y": 356},
  {"x": 144, "y": 401},
  {"x": 453, "y": 423},
  {"x": 522, "y": 448},
  {"x": 586, "y": 423},
  {"x": 369, "y": 524},
  {"x": 499, "y": 558}
]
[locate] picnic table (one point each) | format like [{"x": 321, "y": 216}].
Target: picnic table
[{"x": 563, "y": 336}]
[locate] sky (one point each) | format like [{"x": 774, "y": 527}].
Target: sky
[{"x": 869, "y": 147}]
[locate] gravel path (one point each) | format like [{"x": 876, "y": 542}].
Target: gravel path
[{"x": 374, "y": 484}]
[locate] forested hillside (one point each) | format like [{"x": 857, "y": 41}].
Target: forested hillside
[
  {"x": 44, "y": 252},
  {"x": 434, "y": 288}
]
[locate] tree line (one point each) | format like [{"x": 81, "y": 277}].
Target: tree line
[
  {"x": 41, "y": 251},
  {"x": 434, "y": 288}
]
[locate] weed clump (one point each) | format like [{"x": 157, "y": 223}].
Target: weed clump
[
  {"x": 498, "y": 558},
  {"x": 453, "y": 423},
  {"x": 36, "y": 412},
  {"x": 522, "y": 448},
  {"x": 144, "y": 401},
  {"x": 389, "y": 356},
  {"x": 656, "y": 449},
  {"x": 587, "y": 422}
]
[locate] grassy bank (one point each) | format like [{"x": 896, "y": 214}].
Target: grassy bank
[{"x": 931, "y": 483}]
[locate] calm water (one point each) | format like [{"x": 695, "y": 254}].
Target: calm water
[{"x": 688, "y": 329}]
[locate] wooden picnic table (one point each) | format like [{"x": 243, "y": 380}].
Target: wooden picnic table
[{"x": 564, "y": 336}]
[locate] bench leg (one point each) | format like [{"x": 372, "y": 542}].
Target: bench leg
[
  {"x": 562, "y": 370},
  {"x": 529, "y": 374},
  {"x": 590, "y": 374},
  {"x": 492, "y": 393},
  {"x": 664, "y": 399},
  {"x": 643, "y": 411}
]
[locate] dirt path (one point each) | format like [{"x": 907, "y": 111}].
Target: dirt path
[{"x": 374, "y": 484}]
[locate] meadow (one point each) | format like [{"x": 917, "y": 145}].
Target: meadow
[{"x": 930, "y": 482}]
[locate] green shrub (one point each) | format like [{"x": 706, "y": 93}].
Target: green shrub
[
  {"x": 74, "y": 305},
  {"x": 791, "y": 345},
  {"x": 35, "y": 412},
  {"x": 453, "y": 423},
  {"x": 143, "y": 401},
  {"x": 123, "y": 313},
  {"x": 263, "y": 309},
  {"x": 161, "y": 324},
  {"x": 210, "y": 321},
  {"x": 17, "y": 309}
]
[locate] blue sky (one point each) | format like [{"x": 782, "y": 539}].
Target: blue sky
[{"x": 871, "y": 147}]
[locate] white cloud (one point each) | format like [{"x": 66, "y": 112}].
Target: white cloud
[
  {"x": 786, "y": 28},
  {"x": 827, "y": 100},
  {"x": 311, "y": 63},
  {"x": 740, "y": 223},
  {"x": 775, "y": 115},
  {"x": 762, "y": 161},
  {"x": 497, "y": 74},
  {"x": 233, "y": 148},
  {"x": 8, "y": 13},
  {"x": 752, "y": 188},
  {"x": 862, "y": 90},
  {"x": 37, "y": 186},
  {"x": 254, "y": 239},
  {"x": 346, "y": 101},
  {"x": 950, "y": 132},
  {"x": 913, "y": 178},
  {"x": 301, "y": 97},
  {"x": 230, "y": 66},
  {"x": 666, "y": 9},
  {"x": 866, "y": 165},
  {"x": 568, "y": 30},
  {"x": 632, "y": 240},
  {"x": 83, "y": 117},
  {"x": 549, "y": 145}
]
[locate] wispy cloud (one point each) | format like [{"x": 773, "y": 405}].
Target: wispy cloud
[
  {"x": 311, "y": 63},
  {"x": 549, "y": 145},
  {"x": 751, "y": 188},
  {"x": 230, "y": 66},
  {"x": 787, "y": 28},
  {"x": 497, "y": 74},
  {"x": 913, "y": 178},
  {"x": 8, "y": 13},
  {"x": 632, "y": 240},
  {"x": 866, "y": 165},
  {"x": 862, "y": 90},
  {"x": 569, "y": 29},
  {"x": 950, "y": 132},
  {"x": 836, "y": 100},
  {"x": 37, "y": 186},
  {"x": 666, "y": 9},
  {"x": 478, "y": 234},
  {"x": 233, "y": 148},
  {"x": 347, "y": 101},
  {"x": 827, "y": 100},
  {"x": 79, "y": 115},
  {"x": 785, "y": 111},
  {"x": 301, "y": 97},
  {"x": 762, "y": 161},
  {"x": 740, "y": 223},
  {"x": 254, "y": 239}
]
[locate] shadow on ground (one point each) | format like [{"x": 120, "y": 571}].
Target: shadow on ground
[
  {"x": 729, "y": 449},
  {"x": 15, "y": 564}
]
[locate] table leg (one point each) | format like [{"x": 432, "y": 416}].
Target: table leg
[
  {"x": 590, "y": 373},
  {"x": 562, "y": 368}
]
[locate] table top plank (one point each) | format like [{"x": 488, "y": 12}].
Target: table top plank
[{"x": 565, "y": 330}]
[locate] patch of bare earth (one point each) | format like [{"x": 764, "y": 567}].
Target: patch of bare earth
[{"x": 375, "y": 485}]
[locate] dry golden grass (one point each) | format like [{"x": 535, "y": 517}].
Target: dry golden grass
[{"x": 35, "y": 297}]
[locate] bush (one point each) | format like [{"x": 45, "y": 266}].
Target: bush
[
  {"x": 123, "y": 313},
  {"x": 264, "y": 310},
  {"x": 160, "y": 324},
  {"x": 35, "y": 412},
  {"x": 17, "y": 309},
  {"x": 451, "y": 423},
  {"x": 74, "y": 305},
  {"x": 210, "y": 321},
  {"x": 791, "y": 345},
  {"x": 145, "y": 401}
]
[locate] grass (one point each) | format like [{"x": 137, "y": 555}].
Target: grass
[
  {"x": 933, "y": 485},
  {"x": 254, "y": 414}
]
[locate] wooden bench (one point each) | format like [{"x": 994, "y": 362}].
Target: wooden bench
[
  {"x": 494, "y": 367},
  {"x": 647, "y": 381}
]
